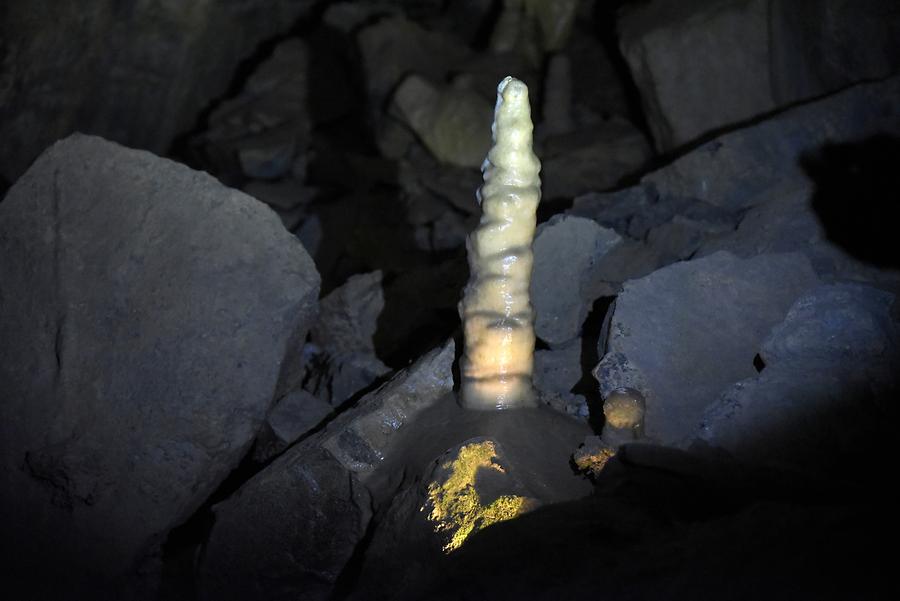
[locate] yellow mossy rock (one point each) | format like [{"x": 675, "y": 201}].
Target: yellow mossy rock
[{"x": 457, "y": 509}]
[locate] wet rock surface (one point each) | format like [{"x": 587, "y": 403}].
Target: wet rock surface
[{"x": 158, "y": 317}]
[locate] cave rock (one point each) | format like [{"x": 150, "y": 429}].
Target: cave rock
[
  {"x": 566, "y": 252},
  {"x": 156, "y": 317},
  {"x": 684, "y": 333},
  {"x": 824, "y": 401}
]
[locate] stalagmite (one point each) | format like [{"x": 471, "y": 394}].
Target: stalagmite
[{"x": 496, "y": 309}]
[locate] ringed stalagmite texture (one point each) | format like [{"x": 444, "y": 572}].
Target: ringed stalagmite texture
[{"x": 496, "y": 310}]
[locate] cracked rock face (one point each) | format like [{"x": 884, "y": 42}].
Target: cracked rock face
[{"x": 156, "y": 316}]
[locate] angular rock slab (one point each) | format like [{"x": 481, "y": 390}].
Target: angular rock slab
[
  {"x": 288, "y": 532},
  {"x": 360, "y": 440},
  {"x": 702, "y": 65},
  {"x": 683, "y": 333},
  {"x": 737, "y": 169},
  {"x": 291, "y": 529},
  {"x": 341, "y": 356},
  {"x": 149, "y": 316},
  {"x": 293, "y": 416},
  {"x": 826, "y": 398},
  {"x": 787, "y": 222},
  {"x": 348, "y": 316},
  {"x": 566, "y": 251},
  {"x": 663, "y": 41}
]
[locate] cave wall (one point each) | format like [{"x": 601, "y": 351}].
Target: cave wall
[{"x": 136, "y": 72}]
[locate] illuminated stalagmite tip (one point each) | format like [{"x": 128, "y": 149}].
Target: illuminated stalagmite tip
[{"x": 496, "y": 310}]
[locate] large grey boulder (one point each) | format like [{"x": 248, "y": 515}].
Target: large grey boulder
[
  {"x": 682, "y": 334},
  {"x": 149, "y": 318},
  {"x": 702, "y": 65},
  {"x": 138, "y": 73},
  {"x": 566, "y": 252},
  {"x": 826, "y": 398},
  {"x": 290, "y": 530}
]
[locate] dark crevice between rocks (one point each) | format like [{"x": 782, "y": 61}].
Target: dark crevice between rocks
[
  {"x": 410, "y": 324},
  {"x": 481, "y": 39},
  {"x": 591, "y": 333},
  {"x": 548, "y": 207},
  {"x": 349, "y": 577},
  {"x": 758, "y": 363},
  {"x": 183, "y": 548},
  {"x": 605, "y": 18}
]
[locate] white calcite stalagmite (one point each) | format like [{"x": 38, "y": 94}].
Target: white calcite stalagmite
[{"x": 496, "y": 310}]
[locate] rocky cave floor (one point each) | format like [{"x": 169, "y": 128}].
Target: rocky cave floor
[{"x": 242, "y": 385}]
